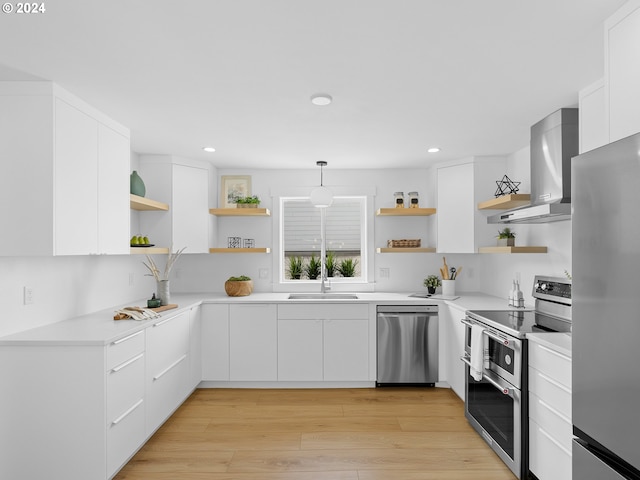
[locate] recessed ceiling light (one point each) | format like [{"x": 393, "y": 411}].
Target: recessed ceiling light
[
  {"x": 321, "y": 99},
  {"x": 209, "y": 149},
  {"x": 433, "y": 150}
]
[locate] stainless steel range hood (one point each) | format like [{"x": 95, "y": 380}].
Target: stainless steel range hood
[{"x": 554, "y": 141}]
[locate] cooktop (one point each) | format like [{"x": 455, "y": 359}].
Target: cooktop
[{"x": 520, "y": 322}]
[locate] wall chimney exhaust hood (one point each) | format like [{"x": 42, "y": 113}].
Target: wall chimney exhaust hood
[{"x": 554, "y": 141}]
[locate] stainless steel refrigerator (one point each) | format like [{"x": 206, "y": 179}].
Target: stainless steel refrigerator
[{"x": 606, "y": 311}]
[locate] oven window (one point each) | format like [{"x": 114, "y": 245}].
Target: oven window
[{"x": 494, "y": 411}]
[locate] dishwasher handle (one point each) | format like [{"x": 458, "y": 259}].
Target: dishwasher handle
[{"x": 400, "y": 309}]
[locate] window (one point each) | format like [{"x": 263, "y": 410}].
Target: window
[{"x": 300, "y": 236}]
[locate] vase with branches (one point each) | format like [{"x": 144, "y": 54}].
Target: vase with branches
[{"x": 162, "y": 276}]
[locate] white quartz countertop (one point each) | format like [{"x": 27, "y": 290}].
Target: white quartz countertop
[
  {"x": 99, "y": 328},
  {"x": 560, "y": 342}
]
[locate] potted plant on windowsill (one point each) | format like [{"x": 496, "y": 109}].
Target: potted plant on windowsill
[
  {"x": 432, "y": 282},
  {"x": 241, "y": 286},
  {"x": 506, "y": 238},
  {"x": 248, "y": 202},
  {"x": 295, "y": 267},
  {"x": 312, "y": 269}
]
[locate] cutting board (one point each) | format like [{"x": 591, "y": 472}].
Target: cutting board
[{"x": 162, "y": 308}]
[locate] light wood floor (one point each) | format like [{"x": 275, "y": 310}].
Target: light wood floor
[{"x": 341, "y": 434}]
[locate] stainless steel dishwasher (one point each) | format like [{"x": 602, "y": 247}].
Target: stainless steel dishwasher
[{"x": 407, "y": 345}]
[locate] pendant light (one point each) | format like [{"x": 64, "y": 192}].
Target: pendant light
[{"x": 321, "y": 197}]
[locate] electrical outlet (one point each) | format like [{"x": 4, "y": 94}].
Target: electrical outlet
[
  {"x": 263, "y": 273},
  {"x": 385, "y": 272},
  {"x": 28, "y": 295}
]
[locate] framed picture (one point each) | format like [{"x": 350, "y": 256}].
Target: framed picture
[{"x": 232, "y": 187}]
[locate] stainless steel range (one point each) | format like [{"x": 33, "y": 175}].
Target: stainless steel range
[{"x": 496, "y": 402}]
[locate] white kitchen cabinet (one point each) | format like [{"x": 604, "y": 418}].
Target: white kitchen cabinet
[
  {"x": 461, "y": 227},
  {"x": 550, "y": 422},
  {"x": 328, "y": 342},
  {"x": 253, "y": 342},
  {"x": 346, "y": 350},
  {"x": 300, "y": 350},
  {"x": 622, "y": 70},
  {"x": 167, "y": 356},
  {"x": 183, "y": 184},
  {"x": 452, "y": 340},
  {"x": 69, "y": 167},
  {"x": 593, "y": 117},
  {"x": 195, "y": 346},
  {"x": 215, "y": 342}
]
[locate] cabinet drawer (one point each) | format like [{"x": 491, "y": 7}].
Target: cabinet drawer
[
  {"x": 557, "y": 425},
  {"x": 125, "y": 434},
  {"x": 553, "y": 364},
  {"x": 166, "y": 391},
  {"x": 125, "y": 386},
  {"x": 548, "y": 460},
  {"x": 552, "y": 392},
  {"x": 124, "y": 348},
  {"x": 323, "y": 311},
  {"x": 167, "y": 341}
]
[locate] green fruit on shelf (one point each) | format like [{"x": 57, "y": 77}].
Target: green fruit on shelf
[
  {"x": 134, "y": 240},
  {"x": 145, "y": 240},
  {"x": 140, "y": 240}
]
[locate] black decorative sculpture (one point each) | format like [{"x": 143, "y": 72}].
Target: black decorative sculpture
[{"x": 506, "y": 186}]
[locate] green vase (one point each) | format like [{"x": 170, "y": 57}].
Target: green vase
[{"x": 137, "y": 185}]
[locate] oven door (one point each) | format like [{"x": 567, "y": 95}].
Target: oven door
[
  {"x": 493, "y": 407},
  {"x": 505, "y": 352}
]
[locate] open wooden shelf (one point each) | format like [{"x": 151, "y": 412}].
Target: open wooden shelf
[
  {"x": 405, "y": 212},
  {"x": 141, "y": 203},
  {"x": 240, "y": 212},
  {"x": 240, "y": 250},
  {"x": 149, "y": 250},
  {"x": 512, "y": 250},
  {"x": 405, "y": 250},
  {"x": 506, "y": 202}
]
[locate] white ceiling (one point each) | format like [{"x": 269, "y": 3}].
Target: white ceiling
[{"x": 469, "y": 76}]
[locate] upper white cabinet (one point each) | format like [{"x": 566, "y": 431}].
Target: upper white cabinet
[
  {"x": 622, "y": 70},
  {"x": 67, "y": 166},
  {"x": 461, "y": 186},
  {"x": 184, "y": 185},
  {"x": 593, "y": 117}
]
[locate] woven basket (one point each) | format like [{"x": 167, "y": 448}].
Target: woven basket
[
  {"x": 238, "y": 288},
  {"x": 413, "y": 243}
]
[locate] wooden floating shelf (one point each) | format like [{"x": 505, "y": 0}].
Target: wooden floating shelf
[
  {"x": 512, "y": 250},
  {"x": 240, "y": 212},
  {"x": 506, "y": 202},
  {"x": 148, "y": 250},
  {"x": 240, "y": 250},
  {"x": 405, "y": 212},
  {"x": 144, "y": 204},
  {"x": 405, "y": 250}
]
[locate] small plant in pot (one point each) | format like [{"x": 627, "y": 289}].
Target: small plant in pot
[
  {"x": 248, "y": 202},
  {"x": 295, "y": 267},
  {"x": 432, "y": 282},
  {"x": 241, "y": 286},
  {"x": 347, "y": 267},
  {"x": 312, "y": 269},
  {"x": 330, "y": 264},
  {"x": 506, "y": 238}
]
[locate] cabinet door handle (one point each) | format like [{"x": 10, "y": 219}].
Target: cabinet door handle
[
  {"x": 127, "y": 413},
  {"x": 554, "y": 441},
  {"x": 553, "y": 352},
  {"x": 166, "y": 370},
  {"x": 163, "y": 321},
  {"x": 128, "y": 337},
  {"x": 553, "y": 382},
  {"x": 554, "y": 411},
  {"x": 128, "y": 362}
]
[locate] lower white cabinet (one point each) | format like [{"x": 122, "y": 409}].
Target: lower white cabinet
[
  {"x": 328, "y": 342},
  {"x": 452, "y": 339},
  {"x": 253, "y": 342},
  {"x": 195, "y": 347},
  {"x": 550, "y": 424},
  {"x": 167, "y": 368},
  {"x": 215, "y": 342}
]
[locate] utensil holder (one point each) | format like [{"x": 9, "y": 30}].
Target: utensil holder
[{"x": 448, "y": 287}]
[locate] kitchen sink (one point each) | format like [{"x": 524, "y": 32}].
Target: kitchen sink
[{"x": 322, "y": 296}]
